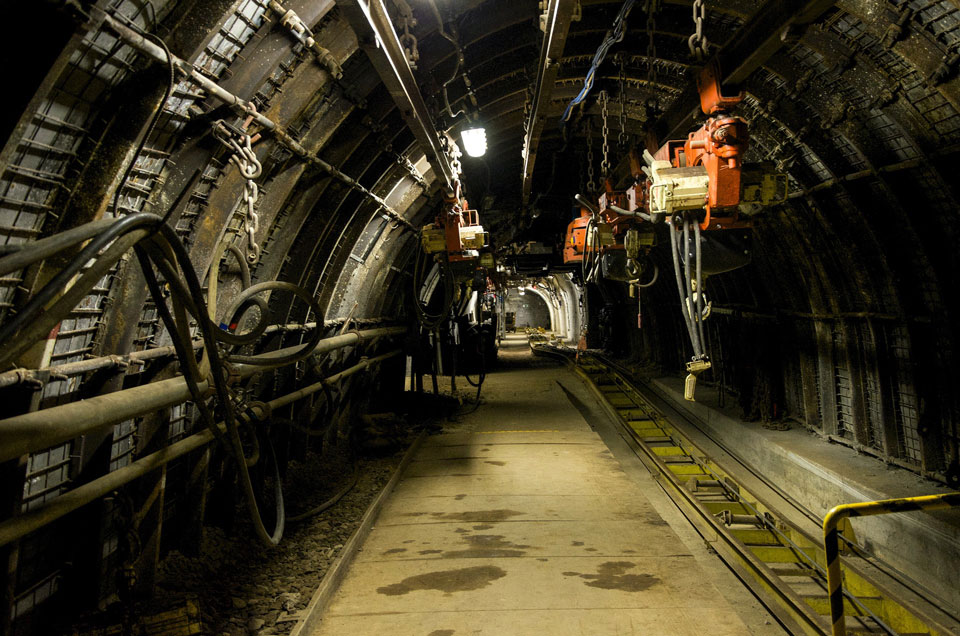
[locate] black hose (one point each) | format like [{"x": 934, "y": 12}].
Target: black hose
[
  {"x": 43, "y": 248},
  {"x": 207, "y": 331},
  {"x": 332, "y": 501},
  {"x": 296, "y": 356},
  {"x": 154, "y": 118},
  {"x": 653, "y": 279},
  {"x": 36, "y": 304},
  {"x": 430, "y": 321}
]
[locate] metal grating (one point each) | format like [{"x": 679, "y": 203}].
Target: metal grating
[
  {"x": 181, "y": 421},
  {"x": 26, "y": 601},
  {"x": 843, "y": 387},
  {"x": 48, "y": 474},
  {"x": 873, "y": 400},
  {"x": 123, "y": 445},
  {"x": 905, "y": 399}
]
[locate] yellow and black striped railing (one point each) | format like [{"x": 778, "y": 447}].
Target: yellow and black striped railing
[{"x": 831, "y": 545}]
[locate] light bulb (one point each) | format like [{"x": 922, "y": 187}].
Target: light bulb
[{"x": 474, "y": 141}]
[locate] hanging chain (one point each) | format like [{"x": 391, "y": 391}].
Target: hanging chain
[
  {"x": 622, "y": 139},
  {"x": 583, "y": 178},
  {"x": 652, "y": 7},
  {"x": 407, "y": 39},
  {"x": 697, "y": 42},
  {"x": 605, "y": 132},
  {"x": 591, "y": 185},
  {"x": 246, "y": 160}
]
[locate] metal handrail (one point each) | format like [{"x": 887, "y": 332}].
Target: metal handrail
[
  {"x": 31, "y": 520},
  {"x": 831, "y": 546}
]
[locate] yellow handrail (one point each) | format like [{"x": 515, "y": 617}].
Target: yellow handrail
[{"x": 866, "y": 509}]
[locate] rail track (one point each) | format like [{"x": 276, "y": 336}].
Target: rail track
[{"x": 783, "y": 564}]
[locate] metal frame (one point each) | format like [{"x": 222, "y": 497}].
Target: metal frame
[
  {"x": 377, "y": 37},
  {"x": 559, "y": 16}
]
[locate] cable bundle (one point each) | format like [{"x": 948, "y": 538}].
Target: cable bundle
[
  {"x": 160, "y": 250},
  {"x": 614, "y": 35}
]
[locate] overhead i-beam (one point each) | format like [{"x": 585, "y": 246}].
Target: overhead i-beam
[
  {"x": 559, "y": 14},
  {"x": 377, "y": 37}
]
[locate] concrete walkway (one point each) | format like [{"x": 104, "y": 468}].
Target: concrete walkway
[{"x": 518, "y": 520}]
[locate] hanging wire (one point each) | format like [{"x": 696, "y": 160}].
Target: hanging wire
[{"x": 614, "y": 35}]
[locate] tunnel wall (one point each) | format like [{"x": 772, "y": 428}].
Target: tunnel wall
[{"x": 531, "y": 309}]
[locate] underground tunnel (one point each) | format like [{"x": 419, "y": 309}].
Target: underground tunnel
[{"x": 498, "y": 317}]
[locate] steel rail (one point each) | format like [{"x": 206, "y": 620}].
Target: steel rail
[
  {"x": 243, "y": 107},
  {"x": 745, "y": 563},
  {"x": 559, "y": 15},
  {"x": 377, "y": 37},
  {"x": 831, "y": 546},
  {"x": 31, "y": 520},
  {"x": 30, "y": 432}
]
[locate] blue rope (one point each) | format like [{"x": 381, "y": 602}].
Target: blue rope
[{"x": 614, "y": 35}]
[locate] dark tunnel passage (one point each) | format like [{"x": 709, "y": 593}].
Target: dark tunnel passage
[{"x": 236, "y": 235}]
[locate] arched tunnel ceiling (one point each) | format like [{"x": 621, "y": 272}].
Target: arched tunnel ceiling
[{"x": 860, "y": 108}]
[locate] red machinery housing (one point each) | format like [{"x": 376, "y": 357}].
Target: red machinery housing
[{"x": 703, "y": 172}]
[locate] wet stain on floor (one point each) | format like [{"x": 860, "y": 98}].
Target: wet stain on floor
[
  {"x": 475, "y": 516},
  {"x": 490, "y": 546},
  {"x": 447, "y": 581},
  {"x": 429, "y": 551},
  {"x": 496, "y": 463},
  {"x": 576, "y": 543},
  {"x": 441, "y": 632},
  {"x": 395, "y": 551},
  {"x": 460, "y": 497},
  {"x": 483, "y": 526},
  {"x": 612, "y": 575}
]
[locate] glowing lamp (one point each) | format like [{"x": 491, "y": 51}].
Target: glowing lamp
[{"x": 474, "y": 141}]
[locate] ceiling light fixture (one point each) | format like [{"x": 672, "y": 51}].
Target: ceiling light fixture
[{"x": 474, "y": 141}]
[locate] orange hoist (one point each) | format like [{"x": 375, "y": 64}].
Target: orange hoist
[
  {"x": 456, "y": 230},
  {"x": 699, "y": 184}
]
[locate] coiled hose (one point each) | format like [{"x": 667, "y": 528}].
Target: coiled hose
[{"x": 160, "y": 250}]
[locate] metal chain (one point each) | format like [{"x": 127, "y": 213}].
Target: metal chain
[
  {"x": 583, "y": 181},
  {"x": 246, "y": 160},
  {"x": 697, "y": 42},
  {"x": 652, "y": 7},
  {"x": 407, "y": 39},
  {"x": 622, "y": 139},
  {"x": 605, "y": 132},
  {"x": 591, "y": 185}
]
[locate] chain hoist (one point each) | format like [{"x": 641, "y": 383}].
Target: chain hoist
[
  {"x": 591, "y": 185},
  {"x": 622, "y": 138},
  {"x": 605, "y": 136},
  {"x": 652, "y": 7},
  {"x": 697, "y": 41}
]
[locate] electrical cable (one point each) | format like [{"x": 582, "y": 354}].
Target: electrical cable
[
  {"x": 154, "y": 118},
  {"x": 614, "y": 35},
  {"x": 430, "y": 321},
  {"x": 674, "y": 248},
  {"x": 332, "y": 501},
  {"x": 36, "y": 304}
]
